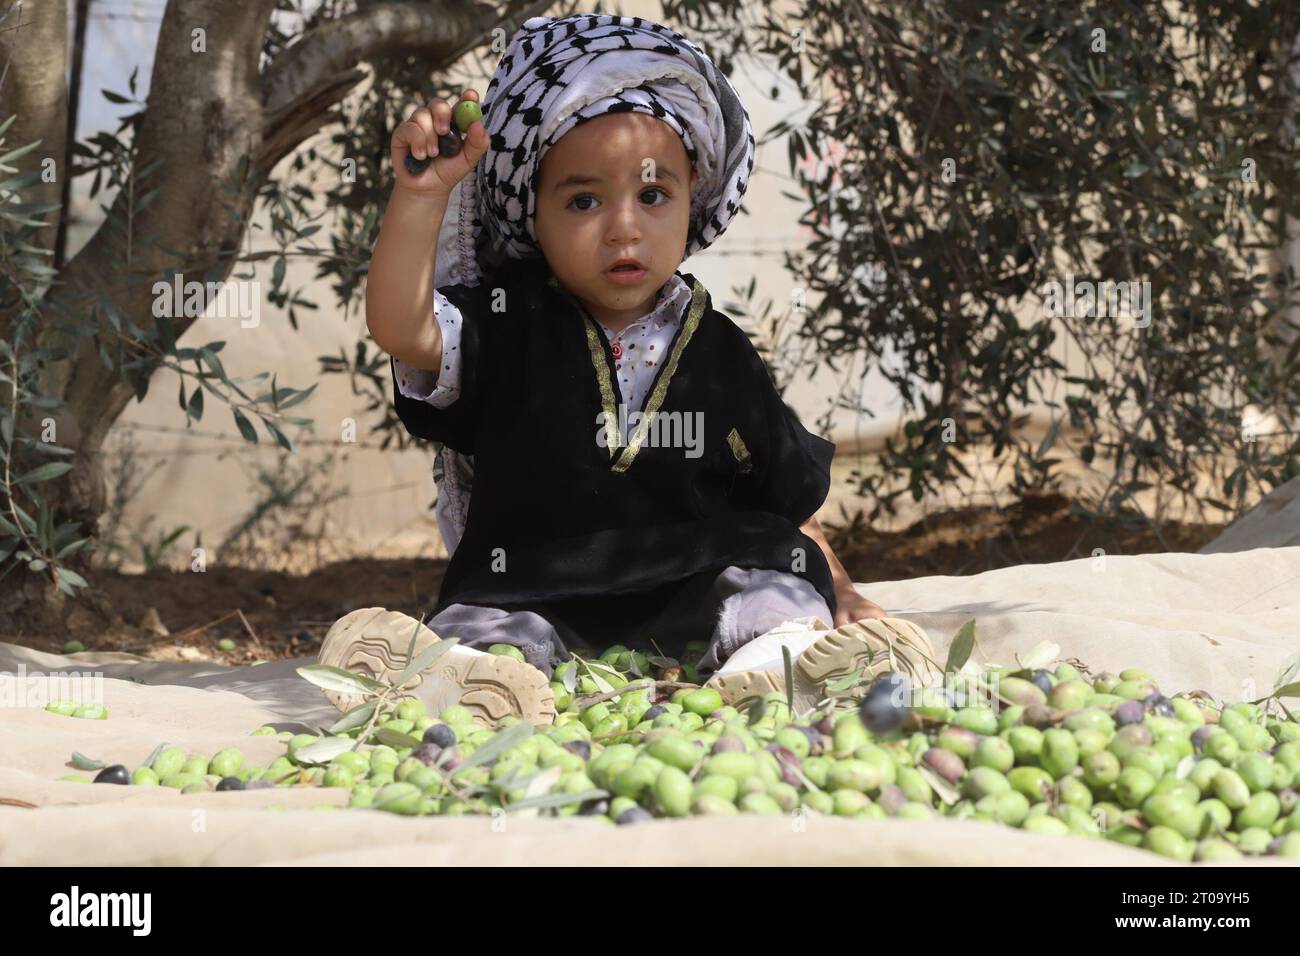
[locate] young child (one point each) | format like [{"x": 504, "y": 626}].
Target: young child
[{"x": 611, "y": 149}]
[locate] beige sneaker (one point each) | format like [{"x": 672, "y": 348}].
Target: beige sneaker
[
  {"x": 373, "y": 641},
  {"x": 864, "y": 644}
]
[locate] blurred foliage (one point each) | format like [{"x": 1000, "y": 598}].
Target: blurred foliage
[{"x": 1110, "y": 142}]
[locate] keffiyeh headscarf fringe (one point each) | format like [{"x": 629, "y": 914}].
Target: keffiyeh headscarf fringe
[{"x": 555, "y": 74}]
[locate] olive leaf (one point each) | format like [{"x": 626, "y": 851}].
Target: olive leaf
[
  {"x": 338, "y": 679},
  {"x": 946, "y": 791},
  {"x": 570, "y": 679},
  {"x": 410, "y": 648},
  {"x": 499, "y": 744},
  {"x": 1289, "y": 669},
  {"x": 1040, "y": 655},
  {"x": 789, "y": 677},
  {"x": 148, "y": 761},
  {"x": 396, "y": 739},
  {"x": 556, "y": 800},
  {"x": 354, "y": 718},
  {"x": 844, "y": 683},
  {"x": 1288, "y": 690},
  {"x": 323, "y": 750},
  {"x": 82, "y": 762},
  {"x": 602, "y": 685},
  {"x": 962, "y": 645},
  {"x": 424, "y": 659},
  {"x": 756, "y": 711}
]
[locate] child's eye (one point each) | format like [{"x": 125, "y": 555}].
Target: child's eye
[{"x": 642, "y": 195}]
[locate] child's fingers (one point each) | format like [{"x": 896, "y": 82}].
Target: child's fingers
[{"x": 475, "y": 145}]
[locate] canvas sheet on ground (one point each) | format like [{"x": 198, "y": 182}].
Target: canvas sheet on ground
[{"x": 1223, "y": 623}]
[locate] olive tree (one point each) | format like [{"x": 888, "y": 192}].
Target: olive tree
[{"x": 233, "y": 92}]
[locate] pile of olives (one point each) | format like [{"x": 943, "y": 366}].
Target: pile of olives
[
  {"x": 70, "y": 708},
  {"x": 1054, "y": 752}
]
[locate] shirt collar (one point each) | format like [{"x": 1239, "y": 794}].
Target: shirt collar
[{"x": 670, "y": 305}]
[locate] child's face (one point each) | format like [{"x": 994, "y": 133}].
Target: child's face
[{"x": 634, "y": 201}]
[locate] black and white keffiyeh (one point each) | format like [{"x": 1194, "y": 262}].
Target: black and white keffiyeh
[{"x": 555, "y": 74}]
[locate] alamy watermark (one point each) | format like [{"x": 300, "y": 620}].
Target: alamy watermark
[
  {"x": 663, "y": 429},
  {"x": 222, "y": 300},
  {"x": 21, "y": 689},
  {"x": 1104, "y": 299}
]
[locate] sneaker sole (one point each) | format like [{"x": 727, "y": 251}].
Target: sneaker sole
[
  {"x": 373, "y": 641},
  {"x": 863, "y": 645}
]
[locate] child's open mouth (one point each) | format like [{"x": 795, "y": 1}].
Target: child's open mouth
[{"x": 626, "y": 273}]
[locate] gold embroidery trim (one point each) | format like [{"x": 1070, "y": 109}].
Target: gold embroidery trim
[
  {"x": 602, "y": 376},
  {"x": 661, "y": 387},
  {"x": 740, "y": 451}
]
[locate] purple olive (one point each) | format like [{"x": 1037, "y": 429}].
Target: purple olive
[
  {"x": 596, "y": 807},
  {"x": 114, "y": 774},
  {"x": 728, "y": 744},
  {"x": 1129, "y": 712},
  {"x": 633, "y": 815},
  {"x": 1158, "y": 703},
  {"x": 1042, "y": 679},
  {"x": 453, "y": 760},
  {"x": 580, "y": 747},
  {"x": 886, "y": 704},
  {"x": 654, "y": 712},
  {"x": 1201, "y": 734},
  {"x": 891, "y": 798},
  {"x": 427, "y": 754},
  {"x": 439, "y": 734},
  {"x": 816, "y": 742},
  {"x": 945, "y": 763},
  {"x": 789, "y": 763},
  {"x": 230, "y": 783},
  {"x": 826, "y": 726}
]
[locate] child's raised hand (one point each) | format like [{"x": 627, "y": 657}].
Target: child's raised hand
[{"x": 417, "y": 140}]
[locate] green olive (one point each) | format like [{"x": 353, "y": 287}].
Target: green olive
[
  {"x": 1045, "y": 824},
  {"x": 1074, "y": 792},
  {"x": 1260, "y": 811},
  {"x": 400, "y": 798},
  {"x": 1170, "y": 843},
  {"x": 853, "y": 774},
  {"x": 169, "y": 761},
  {"x": 995, "y": 754},
  {"x": 984, "y": 781},
  {"x": 1133, "y": 786},
  {"x": 227, "y": 763},
  {"x": 1231, "y": 789},
  {"x": 819, "y": 801},
  {"x": 1060, "y": 753},
  {"x": 849, "y": 803},
  {"x": 1101, "y": 769},
  {"x": 711, "y": 805},
  {"x": 1033, "y": 782},
  {"x": 981, "y": 720},
  {"x": 1027, "y": 742}
]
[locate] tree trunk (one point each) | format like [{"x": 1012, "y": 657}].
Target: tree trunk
[{"x": 208, "y": 109}]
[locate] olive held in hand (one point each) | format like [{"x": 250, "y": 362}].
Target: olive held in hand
[
  {"x": 466, "y": 114},
  {"x": 886, "y": 704}
]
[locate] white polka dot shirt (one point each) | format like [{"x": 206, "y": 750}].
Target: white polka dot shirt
[{"x": 638, "y": 350}]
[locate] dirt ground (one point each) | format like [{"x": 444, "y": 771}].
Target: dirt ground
[{"x": 181, "y": 615}]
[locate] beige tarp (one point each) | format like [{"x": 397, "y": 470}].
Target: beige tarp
[
  {"x": 1224, "y": 623},
  {"x": 1273, "y": 523}
]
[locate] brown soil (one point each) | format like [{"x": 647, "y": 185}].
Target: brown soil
[{"x": 271, "y": 615}]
